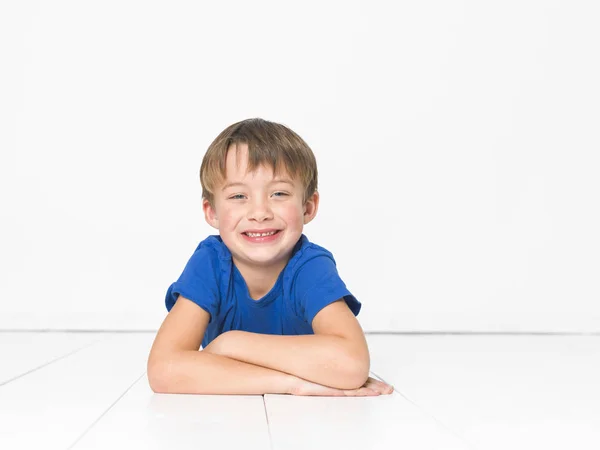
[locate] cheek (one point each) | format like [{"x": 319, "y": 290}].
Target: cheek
[
  {"x": 228, "y": 216},
  {"x": 292, "y": 214}
]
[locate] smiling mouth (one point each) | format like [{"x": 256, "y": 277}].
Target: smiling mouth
[
  {"x": 261, "y": 238},
  {"x": 258, "y": 235}
]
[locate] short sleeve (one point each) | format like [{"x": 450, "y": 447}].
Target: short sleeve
[
  {"x": 198, "y": 282},
  {"x": 318, "y": 284}
]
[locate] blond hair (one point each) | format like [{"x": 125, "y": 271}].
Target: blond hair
[{"x": 270, "y": 144}]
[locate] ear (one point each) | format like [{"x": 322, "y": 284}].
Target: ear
[
  {"x": 311, "y": 207},
  {"x": 210, "y": 214}
]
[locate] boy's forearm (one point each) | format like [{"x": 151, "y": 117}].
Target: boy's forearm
[
  {"x": 320, "y": 358},
  {"x": 200, "y": 372}
]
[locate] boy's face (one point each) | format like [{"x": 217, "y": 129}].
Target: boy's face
[{"x": 259, "y": 202}]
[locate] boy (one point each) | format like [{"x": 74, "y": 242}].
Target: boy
[{"x": 268, "y": 306}]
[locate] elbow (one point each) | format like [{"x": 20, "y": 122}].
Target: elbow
[
  {"x": 156, "y": 380},
  {"x": 354, "y": 368},
  {"x": 360, "y": 363},
  {"x": 159, "y": 373},
  {"x": 359, "y": 375},
  {"x": 157, "y": 383},
  {"x": 356, "y": 374}
]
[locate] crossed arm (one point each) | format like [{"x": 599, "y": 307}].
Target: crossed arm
[{"x": 336, "y": 355}]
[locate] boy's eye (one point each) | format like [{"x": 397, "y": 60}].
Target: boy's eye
[{"x": 241, "y": 196}]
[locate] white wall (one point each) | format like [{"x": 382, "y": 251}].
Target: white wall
[{"x": 457, "y": 144}]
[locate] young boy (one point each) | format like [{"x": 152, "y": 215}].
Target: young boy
[{"x": 267, "y": 305}]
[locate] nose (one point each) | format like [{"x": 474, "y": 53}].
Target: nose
[{"x": 260, "y": 210}]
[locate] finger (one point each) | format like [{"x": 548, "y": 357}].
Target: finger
[
  {"x": 372, "y": 384},
  {"x": 360, "y": 392},
  {"x": 367, "y": 392},
  {"x": 380, "y": 387},
  {"x": 374, "y": 387},
  {"x": 373, "y": 392},
  {"x": 385, "y": 388}
]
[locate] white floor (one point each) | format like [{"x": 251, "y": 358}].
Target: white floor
[{"x": 89, "y": 390}]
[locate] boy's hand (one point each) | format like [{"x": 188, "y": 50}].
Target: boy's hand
[{"x": 372, "y": 387}]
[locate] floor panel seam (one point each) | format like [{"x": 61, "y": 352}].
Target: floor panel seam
[
  {"x": 434, "y": 418},
  {"x": 268, "y": 423},
  {"x": 87, "y": 430},
  {"x": 48, "y": 363}
]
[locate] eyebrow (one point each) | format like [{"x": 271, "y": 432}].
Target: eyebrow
[{"x": 275, "y": 181}]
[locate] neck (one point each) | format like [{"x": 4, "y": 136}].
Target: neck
[{"x": 260, "y": 280}]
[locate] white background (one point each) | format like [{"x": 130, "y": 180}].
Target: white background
[{"x": 457, "y": 145}]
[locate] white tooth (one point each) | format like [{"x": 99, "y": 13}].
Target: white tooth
[{"x": 261, "y": 234}]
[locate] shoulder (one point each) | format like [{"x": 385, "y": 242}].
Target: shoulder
[
  {"x": 308, "y": 255},
  {"x": 210, "y": 258},
  {"x": 202, "y": 277},
  {"x": 312, "y": 265},
  {"x": 212, "y": 248},
  {"x": 314, "y": 282}
]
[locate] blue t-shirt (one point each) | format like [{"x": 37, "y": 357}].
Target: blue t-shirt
[{"x": 307, "y": 284}]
